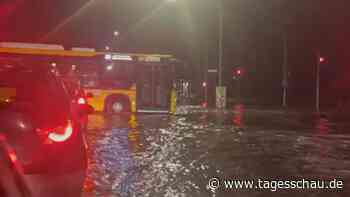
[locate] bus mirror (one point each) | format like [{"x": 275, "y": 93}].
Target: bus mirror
[{"x": 89, "y": 95}]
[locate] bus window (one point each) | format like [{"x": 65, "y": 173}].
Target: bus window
[{"x": 118, "y": 75}]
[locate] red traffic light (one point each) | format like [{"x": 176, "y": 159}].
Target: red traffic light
[
  {"x": 237, "y": 72},
  {"x": 322, "y": 59}
]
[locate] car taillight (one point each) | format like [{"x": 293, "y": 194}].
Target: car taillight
[
  {"x": 13, "y": 157},
  {"x": 81, "y": 101},
  {"x": 58, "y": 134}
]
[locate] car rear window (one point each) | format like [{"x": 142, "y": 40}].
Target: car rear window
[
  {"x": 18, "y": 83},
  {"x": 23, "y": 83}
]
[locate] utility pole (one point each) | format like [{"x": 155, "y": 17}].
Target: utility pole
[
  {"x": 319, "y": 61},
  {"x": 221, "y": 24},
  {"x": 239, "y": 89},
  {"x": 206, "y": 66},
  {"x": 220, "y": 89},
  {"x": 115, "y": 38},
  {"x": 285, "y": 69}
]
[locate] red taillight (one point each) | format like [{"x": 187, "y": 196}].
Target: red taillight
[
  {"x": 58, "y": 134},
  {"x": 81, "y": 101},
  {"x": 13, "y": 157},
  {"x": 205, "y": 104}
]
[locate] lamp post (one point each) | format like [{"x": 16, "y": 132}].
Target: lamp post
[
  {"x": 220, "y": 87},
  {"x": 285, "y": 70},
  {"x": 221, "y": 24},
  {"x": 319, "y": 61},
  {"x": 115, "y": 37}
]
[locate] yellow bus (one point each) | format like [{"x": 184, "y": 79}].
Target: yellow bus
[
  {"x": 113, "y": 82},
  {"x": 127, "y": 82}
]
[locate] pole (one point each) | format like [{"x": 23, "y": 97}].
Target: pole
[
  {"x": 206, "y": 95},
  {"x": 115, "y": 43},
  {"x": 221, "y": 20},
  {"x": 318, "y": 83},
  {"x": 206, "y": 72},
  {"x": 285, "y": 67},
  {"x": 239, "y": 89}
]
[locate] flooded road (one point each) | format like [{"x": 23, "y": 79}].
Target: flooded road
[{"x": 162, "y": 155}]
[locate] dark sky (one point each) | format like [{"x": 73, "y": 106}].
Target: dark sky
[{"x": 188, "y": 28}]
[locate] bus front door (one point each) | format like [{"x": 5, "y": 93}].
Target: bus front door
[{"x": 153, "y": 89}]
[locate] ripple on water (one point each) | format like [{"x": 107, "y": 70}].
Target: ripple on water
[{"x": 178, "y": 160}]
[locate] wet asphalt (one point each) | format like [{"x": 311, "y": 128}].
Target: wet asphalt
[{"x": 163, "y": 155}]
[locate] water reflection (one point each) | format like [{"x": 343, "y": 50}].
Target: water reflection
[
  {"x": 159, "y": 155},
  {"x": 113, "y": 141},
  {"x": 322, "y": 130},
  {"x": 238, "y": 115},
  {"x": 96, "y": 122},
  {"x": 134, "y": 135},
  {"x": 322, "y": 125}
]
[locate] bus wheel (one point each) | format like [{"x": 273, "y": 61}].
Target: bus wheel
[{"x": 117, "y": 105}]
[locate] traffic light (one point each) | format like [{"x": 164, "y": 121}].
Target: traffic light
[
  {"x": 237, "y": 73},
  {"x": 322, "y": 59}
]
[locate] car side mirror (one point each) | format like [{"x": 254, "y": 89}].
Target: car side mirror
[
  {"x": 86, "y": 109},
  {"x": 90, "y": 109},
  {"x": 89, "y": 95}
]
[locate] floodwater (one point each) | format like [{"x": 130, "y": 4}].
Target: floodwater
[{"x": 163, "y": 155}]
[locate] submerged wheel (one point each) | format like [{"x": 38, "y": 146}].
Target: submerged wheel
[{"x": 117, "y": 105}]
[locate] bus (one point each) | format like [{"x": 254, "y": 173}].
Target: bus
[
  {"x": 112, "y": 82},
  {"x": 129, "y": 82}
]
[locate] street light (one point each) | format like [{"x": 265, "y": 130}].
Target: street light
[
  {"x": 285, "y": 69},
  {"x": 205, "y": 87},
  {"x": 221, "y": 25},
  {"x": 116, "y": 34}
]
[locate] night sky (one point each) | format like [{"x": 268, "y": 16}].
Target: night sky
[{"x": 253, "y": 31}]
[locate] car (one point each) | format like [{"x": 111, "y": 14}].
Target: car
[{"x": 44, "y": 128}]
